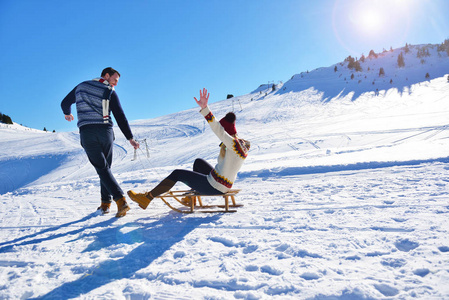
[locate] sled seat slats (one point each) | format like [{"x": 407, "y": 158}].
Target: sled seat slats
[{"x": 193, "y": 201}]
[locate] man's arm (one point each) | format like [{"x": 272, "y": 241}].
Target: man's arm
[
  {"x": 66, "y": 104},
  {"x": 121, "y": 119}
]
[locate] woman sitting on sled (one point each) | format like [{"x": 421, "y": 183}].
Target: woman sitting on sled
[{"x": 205, "y": 179}]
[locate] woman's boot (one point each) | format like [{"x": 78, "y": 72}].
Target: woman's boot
[{"x": 143, "y": 199}]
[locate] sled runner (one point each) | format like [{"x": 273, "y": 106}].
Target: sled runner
[{"x": 192, "y": 200}]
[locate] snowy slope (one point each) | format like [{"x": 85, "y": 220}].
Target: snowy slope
[{"x": 345, "y": 197}]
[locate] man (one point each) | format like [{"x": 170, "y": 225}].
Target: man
[{"x": 95, "y": 99}]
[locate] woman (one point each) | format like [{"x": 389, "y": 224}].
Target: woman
[{"x": 205, "y": 179}]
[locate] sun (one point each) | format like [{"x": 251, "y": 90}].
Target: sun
[
  {"x": 370, "y": 21},
  {"x": 368, "y": 18},
  {"x": 361, "y": 25}
]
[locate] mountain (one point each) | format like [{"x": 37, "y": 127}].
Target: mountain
[
  {"x": 345, "y": 197},
  {"x": 335, "y": 81}
]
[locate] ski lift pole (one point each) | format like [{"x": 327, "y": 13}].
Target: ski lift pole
[
  {"x": 146, "y": 146},
  {"x": 135, "y": 155}
]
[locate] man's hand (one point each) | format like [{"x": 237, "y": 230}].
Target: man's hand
[
  {"x": 134, "y": 143},
  {"x": 69, "y": 118},
  {"x": 204, "y": 98}
]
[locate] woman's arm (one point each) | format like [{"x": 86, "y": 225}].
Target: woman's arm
[
  {"x": 213, "y": 123},
  {"x": 204, "y": 98}
]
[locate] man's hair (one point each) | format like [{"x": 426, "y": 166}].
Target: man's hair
[{"x": 109, "y": 71}]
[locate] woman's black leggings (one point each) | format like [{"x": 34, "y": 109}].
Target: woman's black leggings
[{"x": 196, "y": 179}]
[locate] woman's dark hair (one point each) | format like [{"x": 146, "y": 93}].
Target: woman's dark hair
[
  {"x": 109, "y": 71},
  {"x": 230, "y": 117}
]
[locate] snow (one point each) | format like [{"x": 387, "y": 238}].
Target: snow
[{"x": 345, "y": 194}]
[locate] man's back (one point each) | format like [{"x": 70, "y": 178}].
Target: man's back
[{"x": 90, "y": 102}]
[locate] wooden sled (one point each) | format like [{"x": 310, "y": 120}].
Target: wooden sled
[{"x": 192, "y": 200}]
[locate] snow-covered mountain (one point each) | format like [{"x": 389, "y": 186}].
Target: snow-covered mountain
[{"x": 345, "y": 192}]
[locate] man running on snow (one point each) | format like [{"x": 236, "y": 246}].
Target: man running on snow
[{"x": 95, "y": 99}]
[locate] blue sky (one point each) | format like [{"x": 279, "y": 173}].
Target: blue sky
[{"x": 166, "y": 51}]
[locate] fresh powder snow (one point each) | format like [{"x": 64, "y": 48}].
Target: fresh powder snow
[{"x": 345, "y": 194}]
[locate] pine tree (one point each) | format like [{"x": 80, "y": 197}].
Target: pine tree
[
  {"x": 444, "y": 46},
  {"x": 406, "y": 48},
  {"x": 381, "y": 72},
  {"x": 351, "y": 61},
  {"x": 401, "y": 62},
  {"x": 353, "y": 64},
  {"x": 357, "y": 66},
  {"x": 5, "y": 119}
]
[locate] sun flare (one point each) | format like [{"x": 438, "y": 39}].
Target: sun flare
[
  {"x": 370, "y": 21},
  {"x": 368, "y": 24}
]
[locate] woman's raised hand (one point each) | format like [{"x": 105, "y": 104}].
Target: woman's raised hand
[{"x": 204, "y": 98}]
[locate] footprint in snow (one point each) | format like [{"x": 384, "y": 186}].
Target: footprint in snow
[
  {"x": 251, "y": 268},
  {"x": 443, "y": 248},
  {"x": 310, "y": 276},
  {"x": 282, "y": 247},
  {"x": 394, "y": 262},
  {"x": 406, "y": 245},
  {"x": 399, "y": 220},
  {"x": 230, "y": 243},
  {"x": 226, "y": 242},
  {"x": 250, "y": 249},
  {"x": 386, "y": 290},
  {"x": 353, "y": 257},
  {"x": 270, "y": 270},
  {"x": 421, "y": 272},
  {"x": 179, "y": 254}
]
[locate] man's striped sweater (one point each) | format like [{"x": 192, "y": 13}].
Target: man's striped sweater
[{"x": 95, "y": 99}]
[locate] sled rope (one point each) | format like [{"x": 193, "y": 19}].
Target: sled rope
[{"x": 146, "y": 156}]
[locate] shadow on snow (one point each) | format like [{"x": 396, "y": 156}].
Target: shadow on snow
[
  {"x": 8, "y": 246},
  {"x": 154, "y": 238},
  {"x": 17, "y": 173}
]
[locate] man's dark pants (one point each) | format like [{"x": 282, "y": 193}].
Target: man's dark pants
[{"x": 98, "y": 142}]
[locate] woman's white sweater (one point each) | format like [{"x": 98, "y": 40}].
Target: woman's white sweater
[{"x": 222, "y": 177}]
